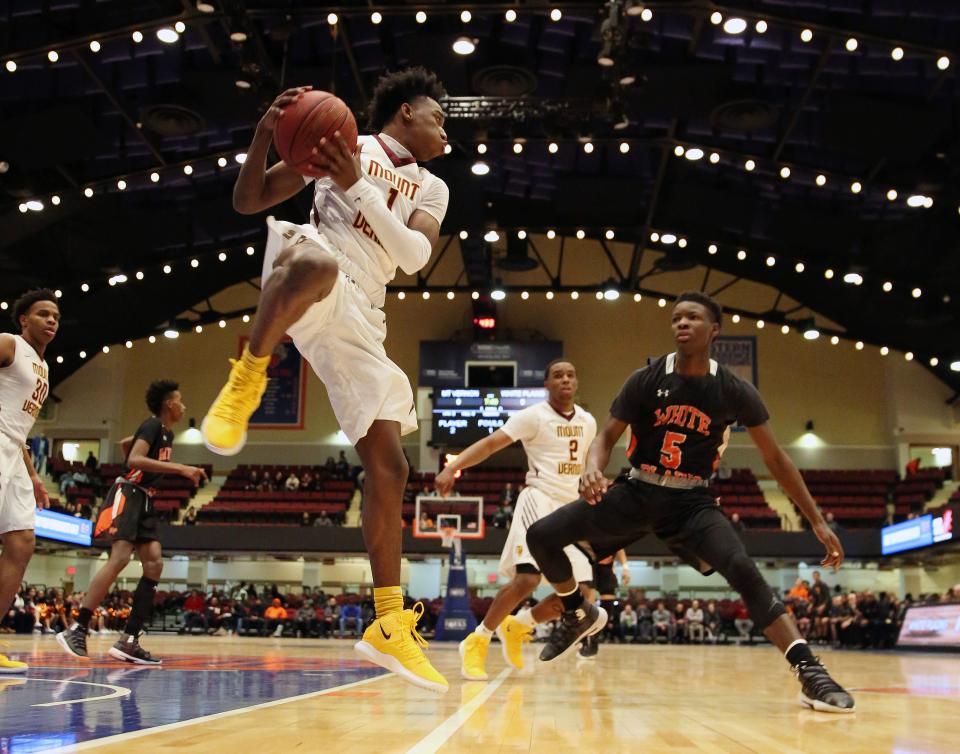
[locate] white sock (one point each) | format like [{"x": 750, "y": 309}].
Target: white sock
[
  {"x": 525, "y": 617},
  {"x": 483, "y": 630}
]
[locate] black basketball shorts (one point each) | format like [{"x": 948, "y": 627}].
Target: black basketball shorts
[{"x": 127, "y": 514}]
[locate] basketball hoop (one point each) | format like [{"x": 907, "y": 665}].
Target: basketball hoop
[{"x": 449, "y": 538}]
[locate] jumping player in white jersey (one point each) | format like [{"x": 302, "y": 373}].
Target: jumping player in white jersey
[
  {"x": 24, "y": 385},
  {"x": 324, "y": 284},
  {"x": 555, "y": 435}
]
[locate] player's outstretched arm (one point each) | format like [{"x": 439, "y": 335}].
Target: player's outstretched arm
[
  {"x": 257, "y": 188},
  {"x": 125, "y": 445},
  {"x": 593, "y": 484},
  {"x": 479, "y": 452},
  {"x": 786, "y": 474},
  {"x": 138, "y": 459}
]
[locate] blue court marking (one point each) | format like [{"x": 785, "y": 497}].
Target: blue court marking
[{"x": 60, "y": 703}]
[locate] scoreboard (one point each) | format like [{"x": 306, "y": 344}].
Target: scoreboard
[{"x": 461, "y": 416}]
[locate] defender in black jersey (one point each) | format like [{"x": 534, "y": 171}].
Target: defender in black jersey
[
  {"x": 679, "y": 410},
  {"x": 129, "y": 519}
]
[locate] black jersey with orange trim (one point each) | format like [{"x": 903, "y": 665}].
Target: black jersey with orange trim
[
  {"x": 160, "y": 440},
  {"x": 679, "y": 425}
]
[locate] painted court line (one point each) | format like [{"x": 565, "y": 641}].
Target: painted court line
[
  {"x": 115, "y": 692},
  {"x": 433, "y": 741},
  {"x": 94, "y": 743}
]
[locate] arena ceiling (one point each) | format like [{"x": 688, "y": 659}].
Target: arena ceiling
[{"x": 753, "y": 138}]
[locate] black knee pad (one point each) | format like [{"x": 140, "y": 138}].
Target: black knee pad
[{"x": 762, "y": 602}]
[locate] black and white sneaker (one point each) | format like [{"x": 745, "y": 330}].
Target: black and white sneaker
[
  {"x": 819, "y": 691},
  {"x": 586, "y": 620},
  {"x": 589, "y": 647},
  {"x": 74, "y": 641},
  {"x": 128, "y": 649}
]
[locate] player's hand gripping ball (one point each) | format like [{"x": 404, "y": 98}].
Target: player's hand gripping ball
[{"x": 311, "y": 116}]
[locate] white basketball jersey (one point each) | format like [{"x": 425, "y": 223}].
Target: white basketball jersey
[
  {"x": 556, "y": 447},
  {"x": 23, "y": 389},
  {"x": 406, "y": 187}
]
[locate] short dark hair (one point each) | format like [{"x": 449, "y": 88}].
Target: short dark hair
[
  {"x": 158, "y": 392},
  {"x": 550, "y": 365},
  {"x": 716, "y": 311},
  {"x": 22, "y": 305},
  {"x": 393, "y": 89}
]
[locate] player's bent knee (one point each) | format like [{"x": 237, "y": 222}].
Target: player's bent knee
[
  {"x": 18, "y": 546},
  {"x": 309, "y": 270},
  {"x": 527, "y": 582}
]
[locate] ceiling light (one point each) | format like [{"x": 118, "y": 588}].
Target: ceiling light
[
  {"x": 121, "y": 184},
  {"x": 240, "y": 157},
  {"x": 129, "y": 344},
  {"x": 94, "y": 46},
  {"x": 955, "y": 366},
  {"x": 250, "y": 251},
  {"x": 171, "y": 333},
  {"x": 180, "y": 27},
  {"x": 916, "y": 293},
  {"x": 574, "y": 295},
  {"x": 908, "y": 356},
  {"x": 517, "y": 147},
  {"x": 88, "y": 192},
  {"x": 105, "y": 349},
  {"x": 916, "y": 200},
  {"x": 222, "y": 323},
  {"x": 83, "y": 354},
  {"x": 245, "y": 318},
  {"x": 139, "y": 275},
  {"x": 166, "y": 269},
  {"x": 611, "y": 293},
  {"x": 654, "y": 237},
  {"x": 222, "y": 256},
  {"x": 624, "y": 147},
  {"x": 480, "y": 168},
  {"x": 884, "y": 351},
  {"x": 11, "y": 66},
  {"x": 238, "y": 36},
  {"x": 556, "y": 14},
  {"x": 609, "y": 235},
  {"x": 811, "y": 333},
  {"x": 927, "y": 202},
  {"x": 859, "y": 345},
  {"x": 892, "y": 195},
  {"x": 491, "y": 236},
  {"x": 682, "y": 243},
  {"x": 464, "y": 235},
  {"x": 222, "y": 162},
  {"x": 821, "y": 180},
  {"x": 450, "y": 295},
  {"x": 628, "y": 79},
  {"x": 771, "y": 261},
  {"x": 551, "y": 234},
  {"x": 716, "y": 18},
  {"x": 887, "y": 287},
  {"x": 678, "y": 150},
  {"x": 761, "y": 26},
  {"x": 376, "y": 18},
  {"x": 187, "y": 170},
  {"x": 167, "y": 35},
  {"x": 934, "y": 361},
  {"x": 694, "y": 153},
  {"x": 741, "y": 255},
  {"x": 785, "y": 329},
  {"x": 760, "y": 324},
  {"x": 421, "y": 17},
  {"x": 661, "y": 302},
  {"x": 53, "y": 56},
  {"x": 714, "y": 158},
  {"x": 734, "y": 26},
  {"x": 637, "y": 297},
  {"x": 943, "y": 62},
  {"x": 59, "y": 359},
  {"x": 85, "y": 287},
  {"x": 580, "y": 234},
  {"x": 712, "y": 249},
  {"x": 401, "y": 295},
  {"x": 749, "y": 165},
  {"x": 137, "y": 36},
  {"x": 784, "y": 172},
  {"x": 735, "y": 319},
  {"x": 152, "y": 339},
  {"x": 22, "y": 207},
  {"x": 194, "y": 263},
  {"x": 464, "y": 46},
  {"x": 668, "y": 238},
  {"x": 552, "y": 147},
  {"x": 205, "y": 7},
  {"x": 198, "y": 329},
  {"x": 588, "y": 147},
  {"x": 521, "y": 234},
  {"x": 897, "y": 53},
  {"x": 154, "y": 177},
  {"x": 834, "y": 340},
  {"x": 55, "y": 200},
  {"x": 851, "y": 44},
  {"x": 510, "y": 16},
  {"x": 856, "y": 187},
  {"x": 806, "y": 35},
  {"x": 799, "y": 267},
  {"x": 498, "y": 294},
  {"x": 646, "y": 15},
  {"x": 481, "y": 148},
  {"x": 332, "y": 19},
  {"x": 853, "y": 278},
  {"x": 828, "y": 274}
]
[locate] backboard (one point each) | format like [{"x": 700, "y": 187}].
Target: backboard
[{"x": 462, "y": 514}]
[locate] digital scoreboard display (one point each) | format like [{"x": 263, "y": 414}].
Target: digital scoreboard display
[
  {"x": 63, "y": 528},
  {"x": 921, "y": 531},
  {"x": 931, "y": 626},
  {"x": 462, "y": 416}
]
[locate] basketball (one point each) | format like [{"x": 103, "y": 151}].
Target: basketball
[{"x": 313, "y": 116}]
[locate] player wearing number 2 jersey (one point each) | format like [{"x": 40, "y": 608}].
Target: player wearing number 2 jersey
[
  {"x": 24, "y": 385},
  {"x": 679, "y": 409}
]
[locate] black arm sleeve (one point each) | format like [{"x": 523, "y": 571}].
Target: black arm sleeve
[{"x": 751, "y": 412}]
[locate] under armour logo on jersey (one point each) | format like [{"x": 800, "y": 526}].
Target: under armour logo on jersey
[{"x": 663, "y": 393}]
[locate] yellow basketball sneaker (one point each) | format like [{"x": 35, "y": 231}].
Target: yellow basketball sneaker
[
  {"x": 224, "y": 427},
  {"x": 12, "y": 666},
  {"x": 513, "y": 635},
  {"x": 473, "y": 657},
  {"x": 392, "y": 642}
]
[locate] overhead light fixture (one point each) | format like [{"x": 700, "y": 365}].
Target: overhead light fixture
[
  {"x": 194, "y": 263},
  {"x": 171, "y": 333},
  {"x": 498, "y": 294},
  {"x": 712, "y": 249},
  {"x": 88, "y": 192},
  {"x": 222, "y": 256},
  {"x": 908, "y": 356},
  {"x": 916, "y": 200},
  {"x": 828, "y": 274},
  {"x": 897, "y": 53},
  {"x": 137, "y": 36},
  {"x": 821, "y": 180},
  {"x": 510, "y": 16},
  {"x": 121, "y": 184},
  {"x": 451, "y": 295},
  {"x": 464, "y": 46},
  {"x": 637, "y": 297},
  {"x": 735, "y": 319},
  {"x": 714, "y": 158},
  {"x": 332, "y": 19},
  {"x": 11, "y": 66},
  {"x": 129, "y": 344},
  {"x": 480, "y": 168},
  {"x": 167, "y": 269},
  {"x": 760, "y": 324},
  {"x": 94, "y": 46},
  {"x": 240, "y": 157},
  {"x": 238, "y": 35},
  {"x": 222, "y": 162},
  {"x": 887, "y": 287},
  {"x": 139, "y": 275},
  {"x": 152, "y": 339},
  {"x": 761, "y": 27},
  {"x": 661, "y": 302},
  {"x": 884, "y": 351},
  {"x": 588, "y": 147},
  {"x": 806, "y": 35},
  {"x": 811, "y": 333},
  {"x": 574, "y": 295},
  {"x": 682, "y": 243},
  {"x": 735, "y": 26},
  {"x": 749, "y": 165},
  {"x": 154, "y": 177},
  {"x": 609, "y": 235},
  {"x": 464, "y": 235},
  {"x": 892, "y": 195},
  {"x": 628, "y": 79},
  {"x": 53, "y": 56},
  {"x": 856, "y": 187},
  {"x": 551, "y": 234},
  {"x": 55, "y": 200},
  {"x": 447, "y": 149},
  {"x": 205, "y": 7},
  {"x": 943, "y": 62},
  {"x": 421, "y": 17},
  {"x": 517, "y": 147},
  {"x": 646, "y": 15},
  {"x": 105, "y": 349},
  {"x": 799, "y": 267},
  {"x": 376, "y": 17},
  {"x": 521, "y": 234},
  {"x": 556, "y": 14},
  {"x": 59, "y": 359},
  {"x": 853, "y": 278},
  {"x": 852, "y": 44},
  {"x": 654, "y": 237},
  {"x": 250, "y": 251},
  {"x": 955, "y": 366},
  {"x": 242, "y": 82},
  {"x": 934, "y": 361},
  {"x": 581, "y": 234},
  {"x": 771, "y": 261},
  {"x": 85, "y": 287},
  {"x": 784, "y": 172},
  {"x": 481, "y": 148},
  {"x": 167, "y": 35},
  {"x": 785, "y": 329},
  {"x": 741, "y": 255},
  {"x": 916, "y": 293},
  {"x": 491, "y": 236},
  {"x": 693, "y": 154},
  {"x": 552, "y": 147},
  {"x": 198, "y": 329},
  {"x": 716, "y": 18},
  {"x": 611, "y": 293},
  {"x": 679, "y": 150},
  {"x": 668, "y": 238},
  {"x": 834, "y": 340},
  {"x": 188, "y": 170}
]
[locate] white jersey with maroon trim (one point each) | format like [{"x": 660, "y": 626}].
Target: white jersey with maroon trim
[
  {"x": 556, "y": 447},
  {"x": 406, "y": 187},
  {"x": 24, "y": 386}
]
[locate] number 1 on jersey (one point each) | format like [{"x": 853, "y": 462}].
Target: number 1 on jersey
[
  {"x": 670, "y": 453},
  {"x": 394, "y": 193}
]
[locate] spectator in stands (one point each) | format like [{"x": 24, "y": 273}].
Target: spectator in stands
[
  {"x": 331, "y": 617},
  {"x": 913, "y": 467},
  {"x": 833, "y": 523},
  {"x": 351, "y": 616},
  {"x": 503, "y": 516},
  {"x": 305, "y": 519},
  {"x": 680, "y": 621},
  {"x": 628, "y": 623},
  {"x": 713, "y": 624},
  {"x": 330, "y": 467},
  {"x": 819, "y": 591},
  {"x": 507, "y": 496},
  {"x": 663, "y": 623},
  {"x": 91, "y": 463},
  {"x": 799, "y": 591},
  {"x": 846, "y": 616},
  {"x": 214, "y": 616},
  {"x": 426, "y": 523},
  {"x": 278, "y": 481},
  {"x": 306, "y": 619},
  {"x": 253, "y": 481},
  {"x": 194, "y": 612},
  {"x": 190, "y": 517},
  {"x": 292, "y": 483},
  {"x": 803, "y": 615},
  {"x": 741, "y": 619},
  {"x": 276, "y": 617},
  {"x": 644, "y": 622},
  {"x": 738, "y": 525},
  {"x": 307, "y": 482},
  {"x": 323, "y": 519},
  {"x": 343, "y": 466},
  {"x": 694, "y": 618}
]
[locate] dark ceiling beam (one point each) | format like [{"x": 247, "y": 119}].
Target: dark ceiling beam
[
  {"x": 121, "y": 108},
  {"x": 201, "y": 29},
  {"x": 665, "y": 153},
  {"x": 798, "y": 110},
  {"x": 613, "y": 261},
  {"x": 352, "y": 62},
  {"x": 722, "y": 288},
  {"x": 541, "y": 260}
]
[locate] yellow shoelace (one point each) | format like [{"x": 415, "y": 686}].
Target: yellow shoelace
[
  {"x": 242, "y": 388},
  {"x": 408, "y": 622}
]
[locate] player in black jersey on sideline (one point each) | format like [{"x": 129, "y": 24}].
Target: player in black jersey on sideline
[
  {"x": 679, "y": 410},
  {"x": 129, "y": 519}
]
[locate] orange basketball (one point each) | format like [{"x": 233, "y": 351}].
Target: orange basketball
[{"x": 313, "y": 116}]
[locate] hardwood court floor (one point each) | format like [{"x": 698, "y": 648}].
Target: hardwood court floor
[{"x": 285, "y": 695}]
